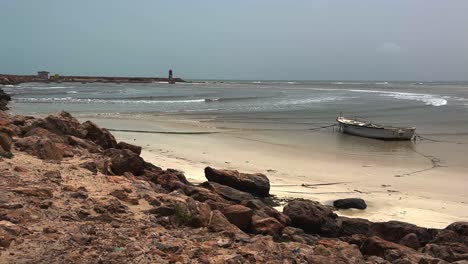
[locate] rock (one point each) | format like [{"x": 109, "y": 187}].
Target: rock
[
  {"x": 257, "y": 184},
  {"x": 450, "y": 252},
  {"x": 350, "y": 203},
  {"x": 47, "y": 150},
  {"x": 86, "y": 144},
  {"x": 202, "y": 194},
  {"x": 89, "y": 165},
  {"x": 26, "y": 144},
  {"x": 34, "y": 191},
  {"x": 124, "y": 196},
  {"x": 335, "y": 251},
  {"x": 170, "y": 179},
  {"x": 219, "y": 223},
  {"x": 124, "y": 145},
  {"x": 264, "y": 211},
  {"x": 353, "y": 226},
  {"x": 5, "y": 141},
  {"x": 410, "y": 240},
  {"x": 44, "y": 133},
  {"x": 100, "y": 136},
  {"x": 227, "y": 192},
  {"x": 461, "y": 228},
  {"x": 20, "y": 169},
  {"x": 266, "y": 226},
  {"x": 53, "y": 175},
  {"x": 199, "y": 213},
  {"x": 64, "y": 124},
  {"x": 393, "y": 252},
  {"x": 124, "y": 160},
  {"x": 394, "y": 231},
  {"x": 239, "y": 216},
  {"x": 311, "y": 217},
  {"x": 290, "y": 233}
]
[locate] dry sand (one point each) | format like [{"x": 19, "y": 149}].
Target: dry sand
[{"x": 433, "y": 197}]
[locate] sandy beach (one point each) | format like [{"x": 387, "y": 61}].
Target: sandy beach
[{"x": 400, "y": 183}]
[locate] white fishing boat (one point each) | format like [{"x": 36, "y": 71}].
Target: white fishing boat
[{"x": 370, "y": 130}]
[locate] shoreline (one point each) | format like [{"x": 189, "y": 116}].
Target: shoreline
[{"x": 414, "y": 198}]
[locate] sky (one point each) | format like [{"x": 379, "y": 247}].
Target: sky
[{"x": 423, "y": 40}]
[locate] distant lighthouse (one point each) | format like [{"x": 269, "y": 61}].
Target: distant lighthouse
[{"x": 170, "y": 79}]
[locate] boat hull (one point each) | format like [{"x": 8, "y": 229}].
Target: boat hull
[{"x": 379, "y": 133}]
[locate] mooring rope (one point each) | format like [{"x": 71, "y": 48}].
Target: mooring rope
[
  {"x": 420, "y": 137},
  {"x": 322, "y": 127}
]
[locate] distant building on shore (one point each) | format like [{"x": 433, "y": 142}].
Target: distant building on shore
[{"x": 43, "y": 75}]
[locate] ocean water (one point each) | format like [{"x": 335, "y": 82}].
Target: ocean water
[{"x": 434, "y": 107}]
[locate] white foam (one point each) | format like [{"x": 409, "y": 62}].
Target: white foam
[
  {"x": 428, "y": 99},
  {"x": 100, "y": 101}
]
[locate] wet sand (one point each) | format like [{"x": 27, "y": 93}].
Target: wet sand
[{"x": 398, "y": 180}]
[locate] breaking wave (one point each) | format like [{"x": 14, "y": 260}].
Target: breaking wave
[{"x": 428, "y": 99}]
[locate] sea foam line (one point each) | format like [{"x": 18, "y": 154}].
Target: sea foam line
[{"x": 428, "y": 99}]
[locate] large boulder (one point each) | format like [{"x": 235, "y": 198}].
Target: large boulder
[
  {"x": 100, "y": 136},
  {"x": 353, "y": 226},
  {"x": 64, "y": 124},
  {"x": 227, "y": 192},
  {"x": 134, "y": 148},
  {"x": 124, "y": 160},
  {"x": 348, "y": 203},
  {"x": 312, "y": 217},
  {"x": 238, "y": 215},
  {"x": 394, "y": 231},
  {"x": 257, "y": 184}
]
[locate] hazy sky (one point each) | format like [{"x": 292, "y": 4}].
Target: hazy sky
[{"x": 241, "y": 39}]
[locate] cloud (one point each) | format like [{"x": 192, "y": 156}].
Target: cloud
[{"x": 389, "y": 47}]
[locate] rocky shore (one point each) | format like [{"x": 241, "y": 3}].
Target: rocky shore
[{"x": 70, "y": 193}]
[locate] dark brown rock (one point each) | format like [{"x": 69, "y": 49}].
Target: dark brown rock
[
  {"x": 257, "y": 184},
  {"x": 86, "y": 144},
  {"x": 5, "y": 141},
  {"x": 311, "y": 217},
  {"x": 394, "y": 231},
  {"x": 124, "y": 160},
  {"x": 89, "y": 165},
  {"x": 264, "y": 211},
  {"x": 134, "y": 148},
  {"x": 353, "y": 226},
  {"x": 350, "y": 203},
  {"x": 410, "y": 240},
  {"x": 227, "y": 192},
  {"x": 44, "y": 133},
  {"x": 335, "y": 251},
  {"x": 100, "y": 136}
]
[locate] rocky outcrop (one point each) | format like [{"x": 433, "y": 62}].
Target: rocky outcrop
[
  {"x": 100, "y": 136},
  {"x": 257, "y": 184}
]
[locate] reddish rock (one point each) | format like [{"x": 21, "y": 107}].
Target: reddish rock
[
  {"x": 34, "y": 191},
  {"x": 100, "y": 136},
  {"x": 238, "y": 215},
  {"x": 170, "y": 179},
  {"x": 311, "y": 217},
  {"x": 124, "y": 196},
  {"x": 219, "y": 223},
  {"x": 64, "y": 124},
  {"x": 199, "y": 213},
  {"x": 44, "y": 133},
  {"x": 122, "y": 161},
  {"x": 227, "y": 192},
  {"x": 47, "y": 150},
  {"x": 89, "y": 165},
  {"x": 134, "y": 148},
  {"x": 461, "y": 228},
  {"x": 20, "y": 169},
  {"x": 335, "y": 251},
  {"x": 257, "y": 184},
  {"x": 202, "y": 194},
  {"x": 450, "y": 252},
  {"x": 266, "y": 226}
]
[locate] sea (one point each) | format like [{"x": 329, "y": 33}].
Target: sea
[{"x": 431, "y": 107}]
